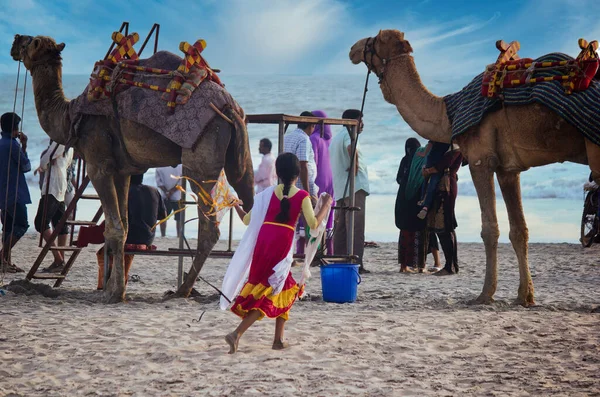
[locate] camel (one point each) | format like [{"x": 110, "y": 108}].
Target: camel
[
  {"x": 506, "y": 142},
  {"x": 223, "y": 145}
]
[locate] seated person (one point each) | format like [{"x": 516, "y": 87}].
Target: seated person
[
  {"x": 434, "y": 152},
  {"x": 145, "y": 207}
]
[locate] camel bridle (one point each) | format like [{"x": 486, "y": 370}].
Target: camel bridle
[{"x": 369, "y": 49}]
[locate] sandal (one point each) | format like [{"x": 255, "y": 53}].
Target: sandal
[
  {"x": 54, "y": 268},
  {"x": 10, "y": 268}
]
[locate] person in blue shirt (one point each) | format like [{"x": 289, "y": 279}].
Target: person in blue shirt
[{"x": 14, "y": 193}]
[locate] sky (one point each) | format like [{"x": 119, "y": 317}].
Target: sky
[{"x": 307, "y": 37}]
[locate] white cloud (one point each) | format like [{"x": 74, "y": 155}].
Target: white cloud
[{"x": 269, "y": 37}]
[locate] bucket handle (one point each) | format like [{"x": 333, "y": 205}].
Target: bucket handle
[{"x": 359, "y": 277}]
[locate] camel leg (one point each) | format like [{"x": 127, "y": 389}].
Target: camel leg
[
  {"x": 114, "y": 234},
  {"x": 208, "y": 235},
  {"x": 122, "y": 188},
  {"x": 593, "y": 155},
  {"x": 510, "y": 184},
  {"x": 483, "y": 179},
  {"x": 205, "y": 164}
]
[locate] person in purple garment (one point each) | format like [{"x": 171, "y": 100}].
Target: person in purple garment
[{"x": 324, "y": 179}]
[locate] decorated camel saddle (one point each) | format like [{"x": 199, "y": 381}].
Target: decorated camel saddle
[
  {"x": 568, "y": 86},
  {"x": 511, "y": 71},
  {"x": 175, "y": 96}
]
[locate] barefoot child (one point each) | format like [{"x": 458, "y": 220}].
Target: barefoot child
[{"x": 259, "y": 278}]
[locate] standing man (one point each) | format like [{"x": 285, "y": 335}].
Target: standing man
[
  {"x": 298, "y": 143},
  {"x": 52, "y": 201},
  {"x": 14, "y": 163},
  {"x": 167, "y": 186},
  {"x": 265, "y": 176},
  {"x": 340, "y": 151}
]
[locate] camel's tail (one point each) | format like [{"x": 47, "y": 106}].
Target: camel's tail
[{"x": 238, "y": 162}]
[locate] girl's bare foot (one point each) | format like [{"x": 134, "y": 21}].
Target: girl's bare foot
[
  {"x": 406, "y": 269},
  {"x": 280, "y": 345},
  {"x": 232, "y": 340}
]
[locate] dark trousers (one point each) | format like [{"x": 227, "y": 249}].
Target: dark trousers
[
  {"x": 20, "y": 223},
  {"x": 54, "y": 212},
  {"x": 449, "y": 246},
  {"x": 342, "y": 226}
]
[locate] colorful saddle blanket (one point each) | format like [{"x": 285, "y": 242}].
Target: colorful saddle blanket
[
  {"x": 184, "y": 127},
  {"x": 581, "y": 109}
]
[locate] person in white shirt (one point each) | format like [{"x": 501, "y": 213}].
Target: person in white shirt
[
  {"x": 167, "y": 186},
  {"x": 340, "y": 150},
  {"x": 298, "y": 143},
  {"x": 52, "y": 203},
  {"x": 265, "y": 176}
]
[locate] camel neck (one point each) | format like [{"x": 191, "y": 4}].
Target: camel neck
[
  {"x": 424, "y": 112},
  {"x": 50, "y": 102}
]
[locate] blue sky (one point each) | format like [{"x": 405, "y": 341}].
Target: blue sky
[{"x": 450, "y": 38}]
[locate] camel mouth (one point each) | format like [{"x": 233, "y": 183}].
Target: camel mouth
[
  {"x": 20, "y": 46},
  {"x": 356, "y": 52}
]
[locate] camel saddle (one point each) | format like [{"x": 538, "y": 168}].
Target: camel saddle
[
  {"x": 182, "y": 124},
  {"x": 118, "y": 71},
  {"x": 510, "y": 71}
]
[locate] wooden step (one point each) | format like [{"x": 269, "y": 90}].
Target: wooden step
[
  {"x": 89, "y": 197},
  {"x": 48, "y": 276},
  {"x": 65, "y": 248},
  {"x": 82, "y": 223}
]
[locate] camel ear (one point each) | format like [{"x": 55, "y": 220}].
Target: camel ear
[
  {"x": 36, "y": 43},
  {"x": 406, "y": 47},
  {"x": 60, "y": 46}
]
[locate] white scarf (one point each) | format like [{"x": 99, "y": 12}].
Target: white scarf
[
  {"x": 239, "y": 267},
  {"x": 312, "y": 245}
]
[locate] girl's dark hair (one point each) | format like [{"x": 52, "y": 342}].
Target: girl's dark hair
[{"x": 288, "y": 169}]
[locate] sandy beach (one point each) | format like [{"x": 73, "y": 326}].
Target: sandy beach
[{"x": 406, "y": 335}]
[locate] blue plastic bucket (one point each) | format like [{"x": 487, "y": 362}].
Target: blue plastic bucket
[{"x": 339, "y": 282}]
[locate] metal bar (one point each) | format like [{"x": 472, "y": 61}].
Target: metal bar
[
  {"x": 279, "y": 117},
  {"x": 230, "y": 230},
  {"x": 181, "y": 238},
  {"x": 350, "y": 230},
  {"x": 146, "y": 40},
  {"x": 280, "y": 137},
  {"x": 156, "y": 37}
]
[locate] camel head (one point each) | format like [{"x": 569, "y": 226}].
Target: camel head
[
  {"x": 377, "y": 51},
  {"x": 36, "y": 50}
]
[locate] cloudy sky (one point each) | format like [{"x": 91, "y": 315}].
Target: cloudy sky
[{"x": 305, "y": 37}]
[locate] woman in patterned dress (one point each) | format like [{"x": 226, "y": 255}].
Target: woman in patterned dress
[{"x": 259, "y": 297}]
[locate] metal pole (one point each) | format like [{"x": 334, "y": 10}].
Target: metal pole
[
  {"x": 230, "y": 229},
  {"x": 350, "y": 230},
  {"x": 181, "y": 234},
  {"x": 280, "y": 137}
]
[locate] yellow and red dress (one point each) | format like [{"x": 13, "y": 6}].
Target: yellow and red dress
[{"x": 272, "y": 246}]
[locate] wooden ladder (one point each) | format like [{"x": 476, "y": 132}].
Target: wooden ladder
[{"x": 82, "y": 182}]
